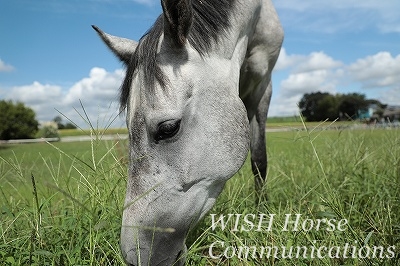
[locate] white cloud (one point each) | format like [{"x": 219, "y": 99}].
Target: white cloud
[
  {"x": 284, "y": 106},
  {"x": 98, "y": 94},
  {"x": 36, "y": 94},
  {"x": 390, "y": 96},
  {"x": 306, "y": 63},
  {"x": 379, "y": 70},
  {"x": 301, "y": 83},
  {"x": 100, "y": 85},
  {"x": 317, "y": 61},
  {"x": 377, "y": 76},
  {"x": 303, "y": 74},
  {"x": 296, "y": 85},
  {"x": 5, "y": 67},
  {"x": 287, "y": 61}
]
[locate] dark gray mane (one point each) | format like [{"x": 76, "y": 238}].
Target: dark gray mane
[{"x": 210, "y": 19}]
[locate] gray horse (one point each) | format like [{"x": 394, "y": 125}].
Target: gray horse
[{"x": 196, "y": 93}]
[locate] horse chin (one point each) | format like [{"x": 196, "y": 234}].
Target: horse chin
[
  {"x": 132, "y": 259},
  {"x": 152, "y": 246}
]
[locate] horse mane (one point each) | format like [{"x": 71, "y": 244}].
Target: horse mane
[{"x": 210, "y": 19}]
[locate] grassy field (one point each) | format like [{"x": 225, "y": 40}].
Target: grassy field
[
  {"x": 61, "y": 203},
  {"x": 272, "y": 123},
  {"x": 79, "y": 132}
]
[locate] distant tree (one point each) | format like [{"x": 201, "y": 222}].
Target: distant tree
[
  {"x": 61, "y": 125},
  {"x": 318, "y": 106},
  {"x": 17, "y": 121},
  {"x": 350, "y": 104},
  {"x": 69, "y": 126},
  {"x": 328, "y": 108},
  {"x": 58, "y": 120},
  {"x": 48, "y": 132}
]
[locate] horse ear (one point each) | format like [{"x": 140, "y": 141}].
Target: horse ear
[
  {"x": 121, "y": 47},
  {"x": 178, "y": 16}
]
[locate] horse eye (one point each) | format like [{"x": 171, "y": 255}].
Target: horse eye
[{"x": 167, "y": 129}]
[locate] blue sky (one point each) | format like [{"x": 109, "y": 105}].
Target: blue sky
[{"x": 50, "y": 57}]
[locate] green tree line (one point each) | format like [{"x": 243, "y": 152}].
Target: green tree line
[
  {"x": 319, "y": 106},
  {"x": 18, "y": 121}
]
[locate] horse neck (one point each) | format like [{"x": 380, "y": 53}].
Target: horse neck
[{"x": 244, "y": 17}]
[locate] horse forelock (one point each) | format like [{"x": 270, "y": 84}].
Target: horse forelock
[{"x": 210, "y": 19}]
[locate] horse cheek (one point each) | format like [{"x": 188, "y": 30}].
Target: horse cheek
[{"x": 225, "y": 136}]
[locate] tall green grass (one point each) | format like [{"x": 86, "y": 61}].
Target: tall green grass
[
  {"x": 61, "y": 204},
  {"x": 352, "y": 175}
]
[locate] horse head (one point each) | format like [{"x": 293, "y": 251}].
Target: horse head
[{"x": 188, "y": 130}]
